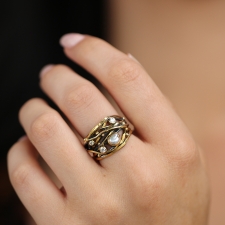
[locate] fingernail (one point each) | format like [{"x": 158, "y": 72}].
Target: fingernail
[
  {"x": 132, "y": 57},
  {"x": 45, "y": 69},
  {"x": 22, "y": 138},
  {"x": 70, "y": 40}
]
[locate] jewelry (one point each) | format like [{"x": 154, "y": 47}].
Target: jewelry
[{"x": 106, "y": 138}]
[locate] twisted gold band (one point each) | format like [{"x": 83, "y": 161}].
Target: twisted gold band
[{"x": 106, "y": 138}]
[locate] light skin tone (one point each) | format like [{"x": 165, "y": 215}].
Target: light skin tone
[{"x": 159, "y": 177}]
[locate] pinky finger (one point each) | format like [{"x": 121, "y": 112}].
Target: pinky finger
[{"x": 39, "y": 195}]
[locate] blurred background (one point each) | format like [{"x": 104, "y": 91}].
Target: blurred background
[{"x": 29, "y": 37}]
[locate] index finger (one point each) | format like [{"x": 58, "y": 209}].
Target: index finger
[{"x": 129, "y": 84}]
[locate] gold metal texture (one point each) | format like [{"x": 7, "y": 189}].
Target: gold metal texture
[{"x": 106, "y": 138}]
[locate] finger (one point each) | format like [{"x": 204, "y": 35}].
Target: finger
[
  {"x": 34, "y": 188},
  {"x": 132, "y": 88},
  {"x": 57, "y": 144},
  {"x": 79, "y": 99}
]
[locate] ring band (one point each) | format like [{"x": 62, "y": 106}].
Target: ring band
[{"x": 106, "y": 138}]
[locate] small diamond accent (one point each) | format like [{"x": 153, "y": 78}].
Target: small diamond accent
[
  {"x": 112, "y": 120},
  {"x": 103, "y": 149},
  {"x": 91, "y": 143}
]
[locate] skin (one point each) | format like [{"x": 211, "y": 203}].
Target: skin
[{"x": 159, "y": 177}]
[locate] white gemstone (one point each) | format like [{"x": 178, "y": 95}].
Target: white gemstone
[
  {"x": 114, "y": 139},
  {"x": 91, "y": 143},
  {"x": 103, "y": 149},
  {"x": 112, "y": 120}
]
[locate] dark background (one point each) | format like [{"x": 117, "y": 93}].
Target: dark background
[{"x": 29, "y": 37}]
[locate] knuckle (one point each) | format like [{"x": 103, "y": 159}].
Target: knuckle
[
  {"x": 186, "y": 153},
  {"x": 21, "y": 176},
  {"x": 148, "y": 182},
  {"x": 111, "y": 211},
  {"x": 80, "y": 97},
  {"x": 44, "y": 126},
  {"x": 149, "y": 188},
  {"x": 125, "y": 71}
]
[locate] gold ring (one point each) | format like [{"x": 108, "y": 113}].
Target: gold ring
[{"x": 106, "y": 138}]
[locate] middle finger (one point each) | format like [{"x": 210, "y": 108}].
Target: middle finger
[{"x": 83, "y": 104}]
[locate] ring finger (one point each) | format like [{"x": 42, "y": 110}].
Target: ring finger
[{"x": 80, "y": 100}]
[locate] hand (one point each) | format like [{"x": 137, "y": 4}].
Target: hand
[{"x": 158, "y": 177}]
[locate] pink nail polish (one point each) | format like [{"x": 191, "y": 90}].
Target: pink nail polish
[
  {"x": 45, "y": 69},
  {"x": 70, "y": 40}
]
